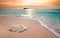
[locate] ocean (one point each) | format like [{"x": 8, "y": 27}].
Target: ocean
[{"x": 48, "y": 16}]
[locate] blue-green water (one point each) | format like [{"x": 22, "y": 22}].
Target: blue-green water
[
  {"x": 12, "y": 11},
  {"x": 50, "y": 16}
]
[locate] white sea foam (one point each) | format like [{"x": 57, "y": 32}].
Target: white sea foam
[{"x": 46, "y": 26}]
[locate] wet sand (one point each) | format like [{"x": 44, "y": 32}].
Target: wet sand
[{"x": 35, "y": 30}]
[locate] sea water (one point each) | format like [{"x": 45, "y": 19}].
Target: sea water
[
  {"x": 51, "y": 17},
  {"x": 48, "y": 16},
  {"x": 11, "y": 11}
]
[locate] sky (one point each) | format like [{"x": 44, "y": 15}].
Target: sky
[{"x": 17, "y": 3}]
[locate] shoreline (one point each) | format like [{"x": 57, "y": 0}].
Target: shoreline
[
  {"x": 35, "y": 29},
  {"x": 46, "y": 26},
  {"x": 42, "y": 24}
]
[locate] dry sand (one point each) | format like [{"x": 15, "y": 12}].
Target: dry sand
[{"x": 35, "y": 30}]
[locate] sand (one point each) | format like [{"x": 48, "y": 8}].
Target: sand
[{"x": 35, "y": 30}]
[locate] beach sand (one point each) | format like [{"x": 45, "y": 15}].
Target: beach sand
[{"x": 35, "y": 30}]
